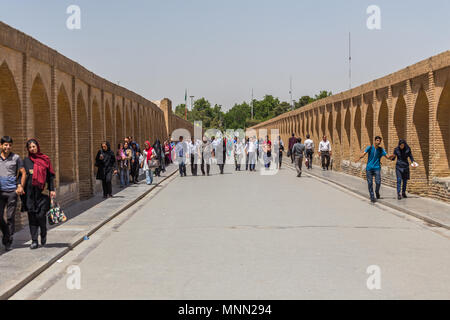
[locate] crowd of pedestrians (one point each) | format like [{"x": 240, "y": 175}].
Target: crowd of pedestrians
[{"x": 28, "y": 178}]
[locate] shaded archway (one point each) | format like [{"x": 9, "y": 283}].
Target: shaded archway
[
  {"x": 322, "y": 125},
  {"x": 383, "y": 124},
  {"x": 443, "y": 138},
  {"x": 11, "y": 115},
  {"x": 330, "y": 127},
  {"x": 84, "y": 172},
  {"x": 97, "y": 126},
  {"x": 347, "y": 133},
  {"x": 41, "y": 116},
  {"x": 420, "y": 138},
  {"x": 400, "y": 119},
  {"x": 128, "y": 126},
  {"x": 369, "y": 124},
  {"x": 136, "y": 132},
  {"x": 339, "y": 126},
  {"x": 109, "y": 125},
  {"x": 119, "y": 126},
  {"x": 65, "y": 138},
  {"x": 357, "y": 128}
]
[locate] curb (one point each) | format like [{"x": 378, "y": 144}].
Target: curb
[
  {"x": 15, "y": 285},
  {"x": 387, "y": 204}
]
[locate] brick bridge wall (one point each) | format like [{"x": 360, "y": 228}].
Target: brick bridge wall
[
  {"x": 413, "y": 103},
  {"x": 70, "y": 110}
]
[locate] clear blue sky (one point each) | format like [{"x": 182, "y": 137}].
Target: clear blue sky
[{"x": 221, "y": 49}]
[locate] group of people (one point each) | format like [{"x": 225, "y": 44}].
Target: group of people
[
  {"x": 127, "y": 161},
  {"x": 25, "y": 178},
  {"x": 245, "y": 152},
  {"x": 375, "y": 152}
]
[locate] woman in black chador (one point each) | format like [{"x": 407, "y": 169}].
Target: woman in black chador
[
  {"x": 105, "y": 161},
  {"x": 402, "y": 153},
  {"x": 39, "y": 171}
]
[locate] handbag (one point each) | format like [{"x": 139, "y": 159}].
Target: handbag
[
  {"x": 55, "y": 215},
  {"x": 153, "y": 163}
]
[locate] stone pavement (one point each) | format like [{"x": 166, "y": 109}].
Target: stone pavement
[
  {"x": 243, "y": 235},
  {"x": 20, "y": 265},
  {"x": 430, "y": 210}
]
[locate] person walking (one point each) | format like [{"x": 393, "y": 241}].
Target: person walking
[
  {"x": 105, "y": 162},
  {"x": 148, "y": 154},
  {"x": 238, "y": 154},
  {"x": 158, "y": 155},
  {"x": 279, "y": 145},
  {"x": 134, "y": 168},
  {"x": 247, "y": 141},
  {"x": 267, "y": 155},
  {"x": 292, "y": 141},
  {"x": 221, "y": 153},
  {"x": 373, "y": 169},
  {"x": 252, "y": 153},
  {"x": 206, "y": 149},
  {"x": 298, "y": 150},
  {"x": 402, "y": 153},
  {"x": 181, "y": 151},
  {"x": 167, "y": 152},
  {"x": 123, "y": 158},
  {"x": 325, "y": 152},
  {"x": 309, "y": 151},
  {"x": 11, "y": 166},
  {"x": 193, "y": 152},
  {"x": 39, "y": 172}
]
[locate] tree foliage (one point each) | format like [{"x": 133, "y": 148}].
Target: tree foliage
[{"x": 239, "y": 116}]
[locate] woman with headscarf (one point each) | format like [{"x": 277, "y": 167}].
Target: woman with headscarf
[
  {"x": 148, "y": 154},
  {"x": 39, "y": 172},
  {"x": 402, "y": 153},
  {"x": 167, "y": 152},
  {"x": 134, "y": 162},
  {"x": 105, "y": 161},
  {"x": 157, "y": 148}
]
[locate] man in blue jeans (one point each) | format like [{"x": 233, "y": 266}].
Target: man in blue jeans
[{"x": 373, "y": 168}]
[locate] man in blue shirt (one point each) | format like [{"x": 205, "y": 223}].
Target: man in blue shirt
[{"x": 373, "y": 168}]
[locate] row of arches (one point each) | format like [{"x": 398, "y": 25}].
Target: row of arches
[
  {"x": 351, "y": 125},
  {"x": 71, "y": 134}
]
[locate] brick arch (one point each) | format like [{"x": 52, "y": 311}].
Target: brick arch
[
  {"x": 11, "y": 115},
  {"x": 357, "y": 126},
  {"x": 40, "y": 105},
  {"x": 443, "y": 136},
  {"x": 339, "y": 126},
  {"x": 323, "y": 125},
  {"x": 304, "y": 125},
  {"x": 369, "y": 123},
  {"x": 97, "y": 126},
  {"x": 128, "y": 126},
  {"x": 383, "y": 123},
  {"x": 65, "y": 137},
  {"x": 109, "y": 125},
  {"x": 347, "y": 133},
  {"x": 420, "y": 138},
  {"x": 84, "y": 172},
  {"x": 119, "y": 126},
  {"x": 400, "y": 120},
  {"x": 137, "y": 134},
  {"x": 330, "y": 127}
]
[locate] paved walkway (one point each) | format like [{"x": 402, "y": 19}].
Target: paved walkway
[
  {"x": 21, "y": 264},
  {"x": 242, "y": 235}
]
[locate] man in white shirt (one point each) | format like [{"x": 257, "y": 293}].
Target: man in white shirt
[
  {"x": 251, "y": 153},
  {"x": 180, "y": 156},
  {"x": 325, "y": 152},
  {"x": 193, "y": 149},
  {"x": 309, "y": 150}
]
